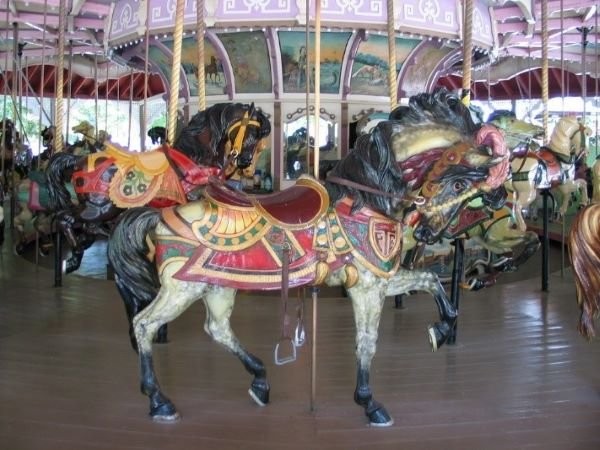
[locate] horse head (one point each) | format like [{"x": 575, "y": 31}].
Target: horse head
[
  {"x": 569, "y": 138},
  {"x": 86, "y": 129},
  {"x": 225, "y": 135},
  {"x": 157, "y": 135},
  {"x": 7, "y": 133},
  {"x": 463, "y": 172},
  {"x": 517, "y": 133},
  {"x": 447, "y": 159}
]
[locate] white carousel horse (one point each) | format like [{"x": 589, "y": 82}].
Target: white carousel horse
[{"x": 552, "y": 166}]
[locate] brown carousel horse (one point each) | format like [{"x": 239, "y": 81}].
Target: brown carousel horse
[
  {"x": 584, "y": 252},
  {"x": 344, "y": 233},
  {"x": 222, "y": 139}
]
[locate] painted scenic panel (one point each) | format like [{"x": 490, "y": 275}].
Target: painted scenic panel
[
  {"x": 294, "y": 56},
  {"x": 215, "y": 78},
  {"x": 371, "y": 64},
  {"x": 250, "y": 62}
]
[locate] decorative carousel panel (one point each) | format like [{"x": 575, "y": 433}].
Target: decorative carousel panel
[
  {"x": 371, "y": 64},
  {"x": 250, "y": 62},
  {"x": 302, "y": 134},
  {"x": 160, "y": 55},
  {"x": 293, "y": 60}
]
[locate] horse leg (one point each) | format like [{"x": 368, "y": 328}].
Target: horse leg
[
  {"x": 427, "y": 281},
  {"x": 65, "y": 222},
  {"x": 583, "y": 188},
  {"x": 173, "y": 298},
  {"x": 367, "y": 301},
  {"x": 219, "y": 306}
]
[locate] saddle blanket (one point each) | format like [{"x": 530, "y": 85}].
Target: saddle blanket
[{"x": 239, "y": 244}]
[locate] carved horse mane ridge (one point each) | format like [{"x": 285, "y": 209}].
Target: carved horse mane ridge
[
  {"x": 222, "y": 139},
  {"x": 344, "y": 234}
]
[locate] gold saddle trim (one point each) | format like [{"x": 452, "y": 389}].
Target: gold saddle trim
[{"x": 152, "y": 163}]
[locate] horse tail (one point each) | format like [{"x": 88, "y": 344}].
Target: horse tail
[
  {"x": 584, "y": 253},
  {"x": 58, "y": 173},
  {"x": 135, "y": 274}
]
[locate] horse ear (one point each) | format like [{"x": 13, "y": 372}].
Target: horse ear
[{"x": 251, "y": 110}]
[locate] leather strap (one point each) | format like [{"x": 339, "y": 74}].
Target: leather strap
[{"x": 361, "y": 187}]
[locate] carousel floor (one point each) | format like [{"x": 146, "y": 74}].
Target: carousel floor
[{"x": 519, "y": 376}]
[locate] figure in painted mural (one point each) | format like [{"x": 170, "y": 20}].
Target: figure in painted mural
[
  {"x": 301, "y": 75},
  {"x": 213, "y": 70}
]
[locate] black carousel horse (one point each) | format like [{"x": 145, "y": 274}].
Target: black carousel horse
[
  {"x": 7, "y": 145},
  {"x": 222, "y": 139},
  {"x": 348, "y": 232},
  {"x": 158, "y": 135}
]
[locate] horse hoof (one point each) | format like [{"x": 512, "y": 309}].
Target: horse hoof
[
  {"x": 165, "y": 413},
  {"x": 378, "y": 416},
  {"x": 259, "y": 393},
  {"x": 432, "y": 338},
  {"x": 438, "y": 334},
  {"x": 171, "y": 418}
]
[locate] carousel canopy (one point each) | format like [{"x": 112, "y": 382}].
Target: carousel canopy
[{"x": 252, "y": 47}]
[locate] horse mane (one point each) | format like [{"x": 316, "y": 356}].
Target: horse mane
[
  {"x": 441, "y": 107},
  {"x": 563, "y": 133},
  {"x": 584, "y": 253},
  {"x": 373, "y": 161},
  {"x": 372, "y": 164},
  {"x": 213, "y": 124}
]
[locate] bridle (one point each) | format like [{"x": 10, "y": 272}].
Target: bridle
[
  {"x": 237, "y": 143},
  {"x": 415, "y": 199}
]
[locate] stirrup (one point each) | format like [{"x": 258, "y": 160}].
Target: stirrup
[
  {"x": 299, "y": 334},
  {"x": 291, "y": 357}
]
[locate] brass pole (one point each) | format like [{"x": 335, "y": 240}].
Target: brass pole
[
  {"x": 200, "y": 43},
  {"x": 467, "y": 51},
  {"x": 60, "y": 82},
  {"x": 392, "y": 55},
  {"x": 175, "y": 71}
]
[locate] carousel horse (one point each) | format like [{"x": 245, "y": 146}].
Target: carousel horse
[
  {"x": 487, "y": 221},
  {"x": 157, "y": 135},
  {"x": 344, "y": 233},
  {"x": 222, "y": 139},
  {"x": 89, "y": 142},
  {"x": 553, "y": 165},
  {"x": 7, "y": 141},
  {"x": 584, "y": 252},
  {"x": 518, "y": 134},
  {"x": 33, "y": 214},
  {"x": 47, "y": 135}
]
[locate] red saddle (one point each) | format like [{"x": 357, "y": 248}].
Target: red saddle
[{"x": 297, "y": 205}]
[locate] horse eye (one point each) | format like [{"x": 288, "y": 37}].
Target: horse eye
[{"x": 458, "y": 186}]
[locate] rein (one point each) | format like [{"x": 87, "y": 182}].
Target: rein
[{"x": 416, "y": 199}]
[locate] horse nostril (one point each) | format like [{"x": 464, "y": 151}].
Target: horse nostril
[{"x": 243, "y": 162}]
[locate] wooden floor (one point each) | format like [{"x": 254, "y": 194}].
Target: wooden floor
[{"x": 519, "y": 377}]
